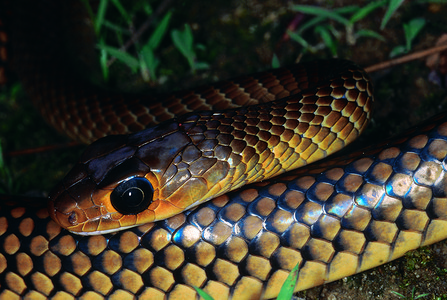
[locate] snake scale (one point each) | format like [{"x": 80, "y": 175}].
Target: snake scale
[{"x": 335, "y": 218}]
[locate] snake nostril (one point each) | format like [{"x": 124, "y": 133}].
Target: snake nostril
[{"x": 73, "y": 219}]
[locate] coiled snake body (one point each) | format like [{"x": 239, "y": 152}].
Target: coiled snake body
[{"x": 334, "y": 218}]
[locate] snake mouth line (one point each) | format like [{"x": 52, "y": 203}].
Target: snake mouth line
[{"x": 101, "y": 232}]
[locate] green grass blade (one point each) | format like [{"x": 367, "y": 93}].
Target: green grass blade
[
  {"x": 297, "y": 38},
  {"x": 288, "y": 288},
  {"x": 318, "y": 11},
  {"x": 100, "y": 15},
  {"x": 327, "y": 39},
  {"x": 366, "y": 10},
  {"x": 103, "y": 62},
  {"x": 392, "y": 7},
  {"x": 115, "y": 28},
  {"x": 370, "y": 34},
  {"x": 126, "y": 58},
  {"x": 421, "y": 296},
  {"x": 159, "y": 32},
  {"x": 309, "y": 24},
  {"x": 203, "y": 294},
  {"x": 103, "y": 57},
  {"x": 316, "y": 20},
  {"x": 398, "y": 294}
]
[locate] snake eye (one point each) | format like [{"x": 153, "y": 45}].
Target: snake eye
[{"x": 132, "y": 196}]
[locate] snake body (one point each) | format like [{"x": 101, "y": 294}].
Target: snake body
[
  {"x": 199, "y": 156},
  {"x": 334, "y": 218},
  {"x": 313, "y": 110}
]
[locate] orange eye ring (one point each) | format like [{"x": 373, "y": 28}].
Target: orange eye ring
[{"x": 132, "y": 196}]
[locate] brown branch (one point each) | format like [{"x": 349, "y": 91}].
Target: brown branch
[{"x": 404, "y": 59}]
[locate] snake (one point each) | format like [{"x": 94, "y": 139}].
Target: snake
[{"x": 333, "y": 218}]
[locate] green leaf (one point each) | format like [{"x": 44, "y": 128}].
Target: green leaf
[
  {"x": 150, "y": 62},
  {"x": 288, "y": 287},
  {"x": 159, "y": 32},
  {"x": 398, "y": 50},
  {"x": 275, "y": 61},
  {"x": 366, "y": 10},
  {"x": 115, "y": 28},
  {"x": 126, "y": 58},
  {"x": 327, "y": 39},
  {"x": 100, "y": 15},
  {"x": 297, "y": 38},
  {"x": 187, "y": 35},
  {"x": 370, "y": 34},
  {"x": 412, "y": 29},
  {"x": 392, "y": 7},
  {"x": 321, "y": 12},
  {"x": 183, "y": 41},
  {"x": 203, "y": 294}
]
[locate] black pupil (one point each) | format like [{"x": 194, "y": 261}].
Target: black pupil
[{"x": 132, "y": 196}]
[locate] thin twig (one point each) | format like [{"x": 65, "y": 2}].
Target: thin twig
[
  {"x": 134, "y": 38},
  {"x": 41, "y": 149},
  {"x": 404, "y": 59}
]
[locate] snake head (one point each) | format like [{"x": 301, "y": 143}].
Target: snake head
[{"x": 127, "y": 180}]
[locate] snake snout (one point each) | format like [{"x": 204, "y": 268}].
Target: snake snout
[{"x": 63, "y": 210}]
